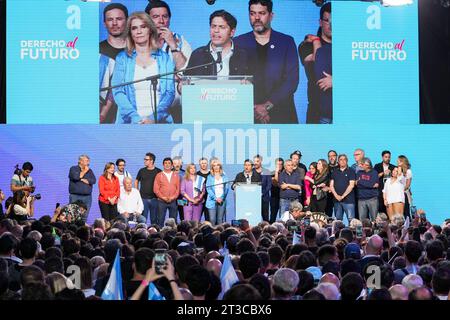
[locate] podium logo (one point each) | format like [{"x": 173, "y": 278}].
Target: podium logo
[
  {"x": 378, "y": 51},
  {"x": 218, "y": 94},
  {"x": 49, "y": 49}
]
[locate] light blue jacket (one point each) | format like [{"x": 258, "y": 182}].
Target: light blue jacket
[
  {"x": 211, "y": 198},
  {"x": 125, "y": 96}
]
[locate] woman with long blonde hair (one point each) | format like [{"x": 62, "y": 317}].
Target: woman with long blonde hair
[
  {"x": 142, "y": 59},
  {"x": 218, "y": 187},
  {"x": 405, "y": 174},
  {"x": 393, "y": 194}
]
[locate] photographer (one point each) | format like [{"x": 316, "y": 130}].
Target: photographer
[
  {"x": 22, "y": 206},
  {"x": 21, "y": 180},
  {"x": 2, "y": 197}
]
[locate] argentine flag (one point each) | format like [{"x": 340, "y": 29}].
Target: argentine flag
[
  {"x": 113, "y": 289},
  {"x": 296, "y": 238},
  {"x": 153, "y": 293},
  {"x": 224, "y": 251},
  {"x": 228, "y": 276}
]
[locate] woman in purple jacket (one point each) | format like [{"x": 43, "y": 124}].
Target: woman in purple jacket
[{"x": 193, "y": 191}]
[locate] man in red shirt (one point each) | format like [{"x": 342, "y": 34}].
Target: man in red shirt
[{"x": 167, "y": 189}]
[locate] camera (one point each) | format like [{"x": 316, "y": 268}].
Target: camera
[
  {"x": 17, "y": 170},
  {"x": 37, "y": 196}
]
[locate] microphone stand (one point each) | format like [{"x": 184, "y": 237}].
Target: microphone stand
[{"x": 154, "y": 81}]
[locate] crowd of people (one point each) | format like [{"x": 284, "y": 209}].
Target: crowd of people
[
  {"x": 141, "y": 44},
  {"x": 291, "y": 254},
  {"x": 292, "y": 260}
]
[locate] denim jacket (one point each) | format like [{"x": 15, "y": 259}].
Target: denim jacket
[
  {"x": 211, "y": 198},
  {"x": 125, "y": 96}
]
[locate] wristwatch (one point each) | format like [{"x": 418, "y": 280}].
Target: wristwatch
[
  {"x": 175, "y": 50},
  {"x": 269, "y": 106}
]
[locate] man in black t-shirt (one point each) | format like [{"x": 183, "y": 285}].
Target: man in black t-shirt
[
  {"x": 384, "y": 169},
  {"x": 204, "y": 172},
  {"x": 146, "y": 178},
  {"x": 115, "y": 19}
]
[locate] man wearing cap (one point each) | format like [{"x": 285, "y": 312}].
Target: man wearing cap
[{"x": 275, "y": 66}]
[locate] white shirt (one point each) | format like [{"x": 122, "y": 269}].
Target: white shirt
[
  {"x": 19, "y": 210},
  {"x": 121, "y": 177},
  {"x": 224, "y": 67},
  {"x": 130, "y": 202},
  {"x": 395, "y": 191},
  {"x": 168, "y": 175},
  {"x": 144, "y": 91},
  {"x": 218, "y": 188},
  {"x": 407, "y": 177}
]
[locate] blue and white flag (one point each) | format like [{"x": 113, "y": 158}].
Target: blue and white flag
[
  {"x": 228, "y": 276},
  {"x": 199, "y": 181},
  {"x": 153, "y": 293},
  {"x": 296, "y": 238},
  {"x": 113, "y": 289},
  {"x": 224, "y": 251}
]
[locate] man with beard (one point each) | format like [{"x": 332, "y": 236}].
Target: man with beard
[
  {"x": 322, "y": 67},
  {"x": 275, "y": 66},
  {"x": 115, "y": 19},
  {"x": 172, "y": 43}
]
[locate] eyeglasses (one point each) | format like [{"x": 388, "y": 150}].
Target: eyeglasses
[
  {"x": 326, "y": 21},
  {"x": 147, "y": 159}
]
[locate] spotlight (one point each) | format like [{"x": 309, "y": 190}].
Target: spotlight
[{"x": 210, "y": 2}]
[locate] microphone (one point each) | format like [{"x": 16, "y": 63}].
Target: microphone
[
  {"x": 219, "y": 58},
  {"x": 219, "y": 55}
]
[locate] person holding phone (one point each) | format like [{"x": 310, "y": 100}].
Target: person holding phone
[
  {"x": 193, "y": 191},
  {"x": 218, "y": 187}
]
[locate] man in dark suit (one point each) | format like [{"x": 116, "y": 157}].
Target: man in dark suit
[
  {"x": 384, "y": 169},
  {"x": 275, "y": 66},
  {"x": 248, "y": 175},
  {"x": 231, "y": 60}
]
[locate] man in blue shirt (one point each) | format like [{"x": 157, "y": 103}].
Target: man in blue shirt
[
  {"x": 367, "y": 186},
  {"x": 341, "y": 185},
  {"x": 81, "y": 180},
  {"x": 290, "y": 186},
  {"x": 275, "y": 66}
]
